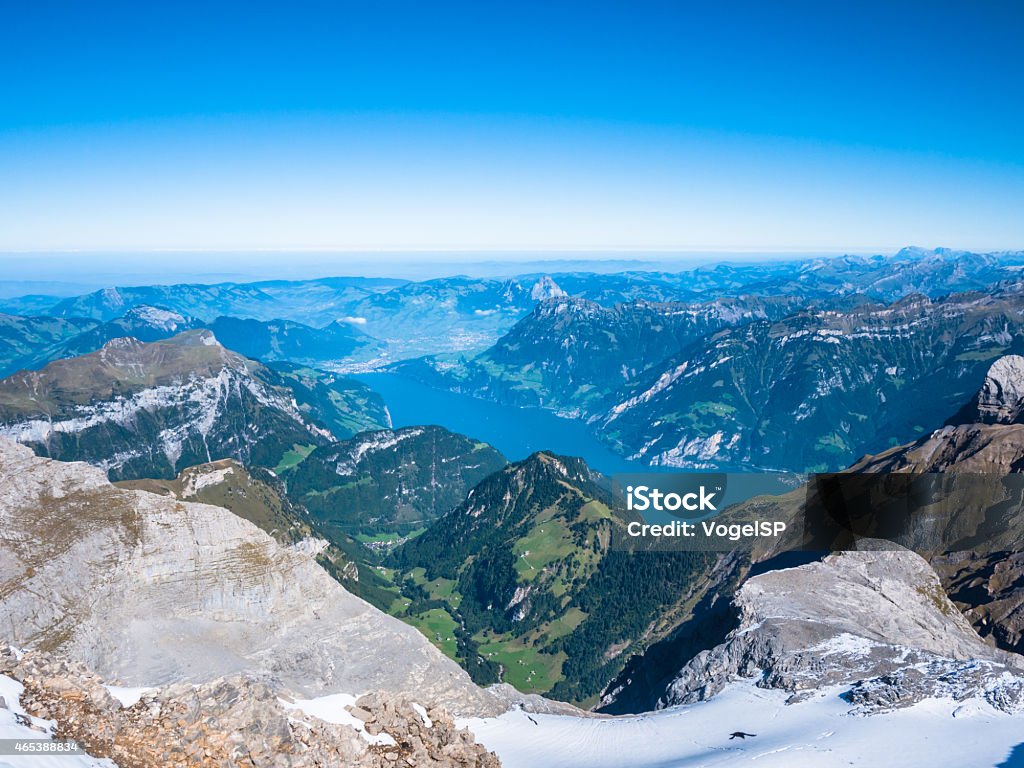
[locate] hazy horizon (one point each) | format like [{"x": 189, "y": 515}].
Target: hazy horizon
[{"x": 71, "y": 273}]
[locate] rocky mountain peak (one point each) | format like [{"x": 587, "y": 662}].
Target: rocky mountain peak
[
  {"x": 546, "y": 288},
  {"x": 1000, "y": 399},
  {"x": 125, "y": 363},
  {"x": 572, "y": 305},
  {"x": 157, "y": 317},
  {"x": 200, "y": 337},
  {"x": 121, "y": 344},
  {"x": 912, "y": 253},
  {"x": 181, "y": 352},
  {"x": 569, "y": 469}
]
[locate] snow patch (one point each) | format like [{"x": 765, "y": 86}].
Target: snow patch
[
  {"x": 422, "y": 712},
  {"x": 333, "y": 709},
  {"x": 128, "y": 697},
  {"x": 845, "y": 644},
  {"x": 664, "y": 381},
  {"x": 196, "y": 481}
]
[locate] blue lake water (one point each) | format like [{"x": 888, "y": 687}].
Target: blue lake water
[{"x": 516, "y": 432}]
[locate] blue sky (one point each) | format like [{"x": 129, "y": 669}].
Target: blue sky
[{"x": 513, "y": 126}]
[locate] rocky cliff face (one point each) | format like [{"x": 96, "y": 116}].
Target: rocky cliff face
[
  {"x": 546, "y": 288},
  {"x": 878, "y": 622},
  {"x": 985, "y": 439},
  {"x": 258, "y": 495},
  {"x": 1002, "y": 395},
  {"x": 147, "y": 590}
]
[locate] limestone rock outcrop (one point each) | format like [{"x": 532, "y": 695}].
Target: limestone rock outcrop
[
  {"x": 149, "y": 590},
  {"x": 876, "y": 621}
]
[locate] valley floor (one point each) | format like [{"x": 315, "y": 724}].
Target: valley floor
[{"x": 817, "y": 733}]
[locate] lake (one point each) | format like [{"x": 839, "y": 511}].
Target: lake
[{"x": 516, "y": 432}]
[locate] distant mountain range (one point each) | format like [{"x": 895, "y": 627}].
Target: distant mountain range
[
  {"x": 462, "y": 314},
  {"x": 570, "y": 354},
  {"x": 269, "y": 340},
  {"x": 404, "y": 318}
]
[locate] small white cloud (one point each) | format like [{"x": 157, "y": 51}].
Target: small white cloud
[{"x": 354, "y": 320}]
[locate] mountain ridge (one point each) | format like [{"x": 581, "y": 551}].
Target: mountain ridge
[
  {"x": 188, "y": 398},
  {"x": 391, "y": 480},
  {"x": 537, "y": 594}
]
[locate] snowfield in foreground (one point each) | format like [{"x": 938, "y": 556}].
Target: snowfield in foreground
[{"x": 816, "y": 733}]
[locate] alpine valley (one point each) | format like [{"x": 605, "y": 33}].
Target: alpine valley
[{"x": 218, "y": 547}]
